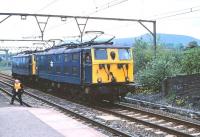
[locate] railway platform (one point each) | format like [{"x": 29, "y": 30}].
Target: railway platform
[{"x": 20, "y": 121}]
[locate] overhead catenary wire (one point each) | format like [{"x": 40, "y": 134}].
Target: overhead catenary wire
[
  {"x": 97, "y": 9},
  {"x": 47, "y": 5},
  {"x": 176, "y": 13},
  {"x": 172, "y": 14},
  {"x": 107, "y": 6}
]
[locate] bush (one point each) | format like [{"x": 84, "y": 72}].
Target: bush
[
  {"x": 191, "y": 61},
  {"x": 143, "y": 54},
  {"x": 151, "y": 71},
  {"x": 166, "y": 64}
]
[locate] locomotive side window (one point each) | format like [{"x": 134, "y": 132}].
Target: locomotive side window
[
  {"x": 20, "y": 65},
  {"x": 75, "y": 71},
  {"x": 57, "y": 58},
  {"x": 49, "y": 60},
  {"x": 124, "y": 54},
  {"x": 42, "y": 62},
  {"x": 75, "y": 56},
  {"x": 67, "y": 68},
  {"x": 25, "y": 62},
  {"x": 67, "y": 57},
  {"x": 100, "y": 54}
]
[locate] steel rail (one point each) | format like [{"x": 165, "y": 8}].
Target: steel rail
[{"x": 6, "y": 76}]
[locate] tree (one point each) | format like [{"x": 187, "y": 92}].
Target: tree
[
  {"x": 192, "y": 44},
  {"x": 143, "y": 53},
  {"x": 191, "y": 61},
  {"x": 166, "y": 64}
]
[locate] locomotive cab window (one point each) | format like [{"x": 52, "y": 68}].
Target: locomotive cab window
[
  {"x": 100, "y": 54},
  {"x": 124, "y": 54}
]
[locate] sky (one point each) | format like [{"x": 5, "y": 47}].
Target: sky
[{"x": 15, "y": 28}]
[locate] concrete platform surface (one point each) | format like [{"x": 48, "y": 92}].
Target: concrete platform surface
[{"x": 39, "y": 122}]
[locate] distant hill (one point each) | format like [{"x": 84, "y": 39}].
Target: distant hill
[{"x": 169, "y": 40}]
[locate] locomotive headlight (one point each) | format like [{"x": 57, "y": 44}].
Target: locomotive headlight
[{"x": 99, "y": 80}]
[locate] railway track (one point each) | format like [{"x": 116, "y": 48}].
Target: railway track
[
  {"x": 167, "y": 124},
  {"x": 151, "y": 120},
  {"x": 6, "y": 77}
]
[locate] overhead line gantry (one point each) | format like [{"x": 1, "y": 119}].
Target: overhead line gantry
[{"x": 86, "y": 18}]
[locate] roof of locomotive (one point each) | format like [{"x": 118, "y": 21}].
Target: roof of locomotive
[
  {"x": 66, "y": 48},
  {"x": 69, "y": 48},
  {"x": 21, "y": 55},
  {"x": 58, "y": 50},
  {"x": 109, "y": 46}
]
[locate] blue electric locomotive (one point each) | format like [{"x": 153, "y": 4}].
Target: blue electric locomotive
[
  {"x": 23, "y": 65},
  {"x": 97, "y": 69}
]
